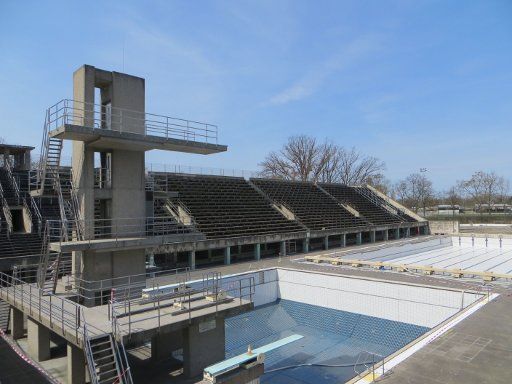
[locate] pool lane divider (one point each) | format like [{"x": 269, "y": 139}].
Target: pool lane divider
[{"x": 406, "y": 352}]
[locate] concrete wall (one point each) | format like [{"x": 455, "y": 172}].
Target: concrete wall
[
  {"x": 444, "y": 227},
  {"x": 400, "y": 302}
]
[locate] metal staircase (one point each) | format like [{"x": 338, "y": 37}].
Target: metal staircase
[
  {"x": 49, "y": 163},
  {"x": 48, "y": 271},
  {"x": 5, "y": 314},
  {"x": 107, "y": 361}
]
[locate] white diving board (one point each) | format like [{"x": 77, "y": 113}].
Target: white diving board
[{"x": 235, "y": 362}]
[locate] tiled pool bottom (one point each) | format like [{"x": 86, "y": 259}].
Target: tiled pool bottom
[{"x": 331, "y": 337}]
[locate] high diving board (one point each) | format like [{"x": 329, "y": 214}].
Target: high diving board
[{"x": 257, "y": 355}]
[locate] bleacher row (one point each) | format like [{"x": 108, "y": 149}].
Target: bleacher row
[
  {"x": 225, "y": 207},
  {"x": 228, "y": 207}
]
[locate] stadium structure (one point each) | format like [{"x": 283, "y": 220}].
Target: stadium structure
[{"x": 107, "y": 258}]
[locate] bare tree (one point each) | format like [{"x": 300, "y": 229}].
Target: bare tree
[
  {"x": 485, "y": 189},
  {"x": 303, "y": 158},
  {"x": 415, "y": 191}
]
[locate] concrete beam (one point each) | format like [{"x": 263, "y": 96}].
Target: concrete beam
[
  {"x": 227, "y": 255},
  {"x": 38, "y": 340},
  {"x": 192, "y": 260},
  {"x": 17, "y": 324},
  {"x": 76, "y": 365},
  {"x": 257, "y": 251}
]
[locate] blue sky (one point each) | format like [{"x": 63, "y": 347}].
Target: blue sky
[{"x": 419, "y": 84}]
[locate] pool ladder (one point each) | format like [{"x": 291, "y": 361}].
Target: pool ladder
[{"x": 368, "y": 360}]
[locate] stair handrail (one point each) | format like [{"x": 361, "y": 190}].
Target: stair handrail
[
  {"x": 35, "y": 209},
  {"x": 62, "y": 210},
  {"x": 7, "y": 211},
  {"x": 88, "y": 349},
  {"x": 118, "y": 338},
  {"x": 41, "y": 169},
  {"x": 75, "y": 210},
  {"x": 43, "y": 267},
  {"x": 12, "y": 180}
]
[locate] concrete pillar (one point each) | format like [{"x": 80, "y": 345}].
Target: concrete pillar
[
  {"x": 343, "y": 240},
  {"x": 163, "y": 344},
  {"x": 386, "y": 235},
  {"x": 76, "y": 364},
  {"x": 227, "y": 255},
  {"x": 282, "y": 249},
  {"x": 305, "y": 245},
  {"x": 326, "y": 243},
  {"x": 257, "y": 252},
  {"x": 204, "y": 343},
  {"x": 38, "y": 340},
  {"x": 17, "y": 326},
  {"x": 397, "y": 233},
  {"x": 372, "y": 236},
  {"x": 192, "y": 260},
  {"x": 408, "y": 232},
  {"x": 359, "y": 238}
]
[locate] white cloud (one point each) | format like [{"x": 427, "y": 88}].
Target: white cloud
[{"x": 313, "y": 81}]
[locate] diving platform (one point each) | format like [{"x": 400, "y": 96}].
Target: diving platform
[{"x": 104, "y": 139}]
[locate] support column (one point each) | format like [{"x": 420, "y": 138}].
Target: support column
[
  {"x": 408, "y": 232},
  {"x": 397, "y": 233},
  {"x": 305, "y": 245},
  {"x": 203, "y": 344},
  {"x": 257, "y": 252},
  {"x": 17, "y": 326},
  {"x": 344, "y": 240},
  {"x": 282, "y": 249},
  {"x": 386, "y": 235},
  {"x": 372, "y": 236},
  {"x": 326, "y": 243},
  {"x": 76, "y": 364},
  {"x": 163, "y": 344},
  {"x": 38, "y": 340},
  {"x": 359, "y": 238},
  {"x": 227, "y": 255},
  {"x": 192, "y": 260}
]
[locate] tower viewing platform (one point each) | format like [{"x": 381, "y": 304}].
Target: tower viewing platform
[{"x": 107, "y": 127}]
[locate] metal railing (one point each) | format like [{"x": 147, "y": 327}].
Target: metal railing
[
  {"x": 182, "y": 299},
  {"x": 115, "y": 229},
  {"x": 124, "y": 120},
  {"x": 12, "y": 180},
  {"x": 64, "y": 316},
  {"x": 193, "y": 170},
  {"x": 7, "y": 211},
  {"x": 124, "y": 287}
]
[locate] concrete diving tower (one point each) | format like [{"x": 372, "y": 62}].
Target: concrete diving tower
[{"x": 110, "y": 225}]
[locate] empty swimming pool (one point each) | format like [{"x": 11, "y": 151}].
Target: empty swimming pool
[
  {"x": 345, "y": 321},
  {"x": 334, "y": 341}
]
